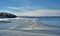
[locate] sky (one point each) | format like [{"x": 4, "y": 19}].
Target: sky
[{"x": 31, "y": 7}]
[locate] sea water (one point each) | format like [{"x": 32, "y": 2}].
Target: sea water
[{"x": 30, "y": 27}]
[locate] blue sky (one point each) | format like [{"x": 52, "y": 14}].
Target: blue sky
[{"x": 28, "y": 5}]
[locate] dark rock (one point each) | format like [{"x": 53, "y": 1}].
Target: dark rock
[{"x": 7, "y": 15}]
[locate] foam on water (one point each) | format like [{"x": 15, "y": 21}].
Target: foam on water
[{"x": 28, "y": 27}]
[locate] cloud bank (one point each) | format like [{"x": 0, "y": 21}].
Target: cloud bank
[{"x": 40, "y": 13}]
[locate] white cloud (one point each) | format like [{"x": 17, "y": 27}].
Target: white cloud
[
  {"x": 12, "y": 7},
  {"x": 5, "y": 11},
  {"x": 24, "y": 8},
  {"x": 40, "y": 13}
]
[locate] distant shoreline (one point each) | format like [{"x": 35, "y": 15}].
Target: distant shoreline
[{"x": 38, "y": 16}]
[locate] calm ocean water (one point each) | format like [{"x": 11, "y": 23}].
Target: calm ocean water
[{"x": 30, "y": 27}]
